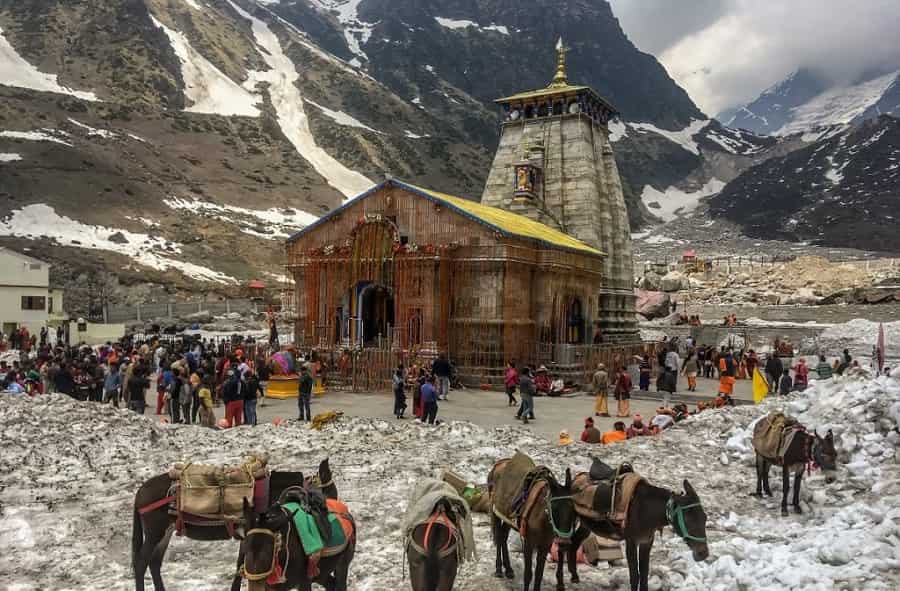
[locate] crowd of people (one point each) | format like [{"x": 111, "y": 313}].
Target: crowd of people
[{"x": 185, "y": 380}]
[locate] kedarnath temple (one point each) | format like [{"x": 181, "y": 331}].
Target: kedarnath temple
[{"x": 537, "y": 271}]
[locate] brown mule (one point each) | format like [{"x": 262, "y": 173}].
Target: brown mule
[
  {"x": 548, "y": 515},
  {"x": 433, "y": 552},
  {"x": 152, "y": 525}
]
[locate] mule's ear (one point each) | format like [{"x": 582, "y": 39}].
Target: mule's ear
[
  {"x": 829, "y": 435},
  {"x": 688, "y": 489},
  {"x": 568, "y": 478}
]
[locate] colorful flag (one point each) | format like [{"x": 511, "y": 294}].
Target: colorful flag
[
  {"x": 760, "y": 386},
  {"x": 880, "y": 347}
]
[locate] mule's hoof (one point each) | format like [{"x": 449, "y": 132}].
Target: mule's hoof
[
  {"x": 768, "y": 493},
  {"x": 798, "y": 510},
  {"x": 560, "y": 587},
  {"x": 784, "y": 512},
  {"x": 576, "y": 578},
  {"x": 756, "y": 494},
  {"x": 510, "y": 574},
  {"x": 499, "y": 574}
]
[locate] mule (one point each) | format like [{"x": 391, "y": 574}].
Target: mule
[
  {"x": 651, "y": 509},
  {"x": 804, "y": 450},
  {"x": 552, "y": 519},
  {"x": 152, "y": 530},
  {"x": 433, "y": 552},
  {"x": 272, "y": 544}
]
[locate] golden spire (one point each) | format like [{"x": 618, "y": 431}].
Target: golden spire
[{"x": 560, "y": 80}]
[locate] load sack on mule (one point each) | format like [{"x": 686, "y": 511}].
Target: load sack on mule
[
  {"x": 203, "y": 494},
  {"x": 604, "y": 493},
  {"x": 772, "y": 434},
  {"x": 476, "y": 496},
  {"x": 431, "y": 502}
]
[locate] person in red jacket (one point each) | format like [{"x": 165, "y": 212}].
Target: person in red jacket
[
  {"x": 801, "y": 375},
  {"x": 511, "y": 380},
  {"x": 623, "y": 393},
  {"x": 591, "y": 434}
]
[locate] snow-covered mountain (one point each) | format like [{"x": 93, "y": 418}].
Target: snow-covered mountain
[
  {"x": 806, "y": 102},
  {"x": 841, "y": 190}
]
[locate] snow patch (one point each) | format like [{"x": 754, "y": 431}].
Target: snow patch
[
  {"x": 273, "y": 224},
  {"x": 684, "y": 137},
  {"x": 414, "y": 136},
  {"x": 205, "y": 86},
  {"x": 194, "y": 4},
  {"x": 15, "y": 71},
  {"x": 356, "y": 31},
  {"x": 342, "y": 118},
  {"x": 40, "y": 221},
  {"x": 288, "y": 103},
  {"x": 618, "y": 129},
  {"x": 8, "y": 157},
  {"x": 47, "y": 135},
  {"x": 674, "y": 202},
  {"x": 456, "y": 24},
  {"x": 93, "y": 131}
]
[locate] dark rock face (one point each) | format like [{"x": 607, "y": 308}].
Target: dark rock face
[{"x": 839, "y": 191}]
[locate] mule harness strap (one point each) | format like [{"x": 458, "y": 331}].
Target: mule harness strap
[
  {"x": 156, "y": 505},
  {"x": 675, "y": 517},
  {"x": 565, "y": 535},
  {"x": 453, "y": 543}
]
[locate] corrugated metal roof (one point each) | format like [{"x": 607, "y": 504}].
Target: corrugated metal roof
[{"x": 500, "y": 220}]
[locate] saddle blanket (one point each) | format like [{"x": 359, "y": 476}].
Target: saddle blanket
[
  {"x": 220, "y": 490},
  {"x": 768, "y": 434},
  {"x": 605, "y": 501}
]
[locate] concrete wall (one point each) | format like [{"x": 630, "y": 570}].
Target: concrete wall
[
  {"x": 11, "y": 312},
  {"x": 95, "y": 334}
]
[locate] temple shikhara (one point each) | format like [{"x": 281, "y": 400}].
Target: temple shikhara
[{"x": 539, "y": 271}]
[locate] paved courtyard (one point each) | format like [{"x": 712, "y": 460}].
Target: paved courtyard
[{"x": 489, "y": 408}]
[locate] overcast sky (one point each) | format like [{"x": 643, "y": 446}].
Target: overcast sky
[{"x": 725, "y": 52}]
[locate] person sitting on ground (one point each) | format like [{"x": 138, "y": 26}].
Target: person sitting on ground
[
  {"x": 617, "y": 434},
  {"x": 542, "y": 381},
  {"x": 637, "y": 428},
  {"x": 663, "y": 420},
  {"x": 591, "y": 434},
  {"x": 565, "y": 438},
  {"x": 723, "y": 399},
  {"x": 844, "y": 363},
  {"x": 680, "y": 412}
]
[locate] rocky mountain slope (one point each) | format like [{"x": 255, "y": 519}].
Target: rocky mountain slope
[
  {"x": 841, "y": 190},
  {"x": 176, "y": 142},
  {"x": 807, "y": 102}
]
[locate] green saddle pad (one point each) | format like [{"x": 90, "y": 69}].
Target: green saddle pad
[{"x": 308, "y": 531}]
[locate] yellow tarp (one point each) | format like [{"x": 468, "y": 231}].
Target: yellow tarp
[
  {"x": 512, "y": 223},
  {"x": 760, "y": 386}
]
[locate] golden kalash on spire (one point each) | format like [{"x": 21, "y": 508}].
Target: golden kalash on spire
[{"x": 560, "y": 80}]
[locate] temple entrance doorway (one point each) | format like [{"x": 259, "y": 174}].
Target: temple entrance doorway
[{"x": 376, "y": 313}]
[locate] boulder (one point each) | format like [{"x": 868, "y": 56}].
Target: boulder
[
  {"x": 652, "y": 304},
  {"x": 673, "y": 281},
  {"x": 203, "y": 317},
  {"x": 802, "y": 296},
  {"x": 649, "y": 282}
]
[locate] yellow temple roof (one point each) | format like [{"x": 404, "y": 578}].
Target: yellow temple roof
[
  {"x": 500, "y": 220},
  {"x": 508, "y": 222}
]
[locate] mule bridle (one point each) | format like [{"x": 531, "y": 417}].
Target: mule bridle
[
  {"x": 278, "y": 546},
  {"x": 675, "y": 517}
]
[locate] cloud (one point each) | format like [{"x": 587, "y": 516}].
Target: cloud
[{"x": 725, "y": 52}]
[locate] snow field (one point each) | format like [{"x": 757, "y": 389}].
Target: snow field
[
  {"x": 85, "y": 462},
  {"x": 9, "y": 157},
  {"x": 288, "y": 103},
  {"x": 280, "y": 221},
  {"x": 207, "y": 87},
  {"x": 39, "y": 220},
  {"x": 16, "y": 71},
  {"x": 674, "y": 202}
]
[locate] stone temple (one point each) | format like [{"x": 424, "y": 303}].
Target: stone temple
[{"x": 555, "y": 164}]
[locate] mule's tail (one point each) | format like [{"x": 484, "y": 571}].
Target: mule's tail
[
  {"x": 137, "y": 537},
  {"x": 433, "y": 559}
]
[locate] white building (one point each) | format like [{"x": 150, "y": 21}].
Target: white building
[{"x": 26, "y": 298}]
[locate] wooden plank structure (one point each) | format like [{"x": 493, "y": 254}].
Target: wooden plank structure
[{"x": 402, "y": 272}]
